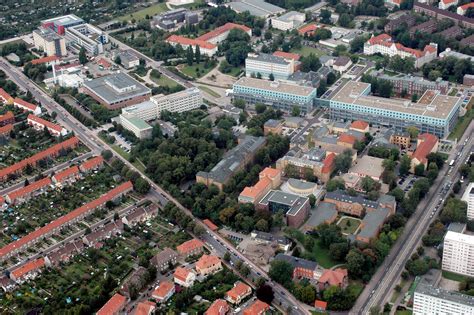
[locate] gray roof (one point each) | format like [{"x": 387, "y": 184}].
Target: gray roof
[
  {"x": 265, "y": 6},
  {"x": 47, "y": 34},
  {"x": 297, "y": 262},
  {"x": 372, "y": 222},
  {"x": 288, "y": 16},
  {"x": 341, "y": 195},
  {"x": 127, "y": 56},
  {"x": 342, "y": 124},
  {"x": 294, "y": 202},
  {"x": 233, "y": 159},
  {"x": 452, "y": 296},
  {"x": 342, "y": 61},
  {"x": 457, "y": 227},
  {"x": 270, "y": 237},
  {"x": 323, "y": 212},
  {"x": 357, "y": 134},
  {"x": 320, "y": 132},
  {"x": 325, "y": 58},
  {"x": 272, "y": 123},
  {"x": 268, "y": 58},
  {"x": 163, "y": 257},
  {"x": 301, "y": 184},
  {"x": 316, "y": 154},
  {"x": 116, "y": 87}
]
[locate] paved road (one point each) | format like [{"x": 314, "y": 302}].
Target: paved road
[
  {"x": 97, "y": 145},
  {"x": 378, "y": 291}
]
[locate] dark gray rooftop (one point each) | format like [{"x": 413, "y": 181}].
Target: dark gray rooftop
[
  {"x": 233, "y": 159},
  {"x": 297, "y": 262},
  {"x": 442, "y": 294},
  {"x": 341, "y": 195},
  {"x": 301, "y": 184},
  {"x": 372, "y": 222},
  {"x": 323, "y": 212},
  {"x": 116, "y": 87},
  {"x": 272, "y": 123},
  {"x": 294, "y": 202}
]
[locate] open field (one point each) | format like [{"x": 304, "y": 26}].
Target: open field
[
  {"x": 196, "y": 71},
  {"x": 306, "y": 51},
  {"x": 208, "y": 91},
  {"x": 141, "y": 14},
  {"x": 348, "y": 225},
  {"x": 164, "y": 81}
]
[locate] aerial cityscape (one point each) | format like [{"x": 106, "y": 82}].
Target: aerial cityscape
[{"x": 243, "y": 157}]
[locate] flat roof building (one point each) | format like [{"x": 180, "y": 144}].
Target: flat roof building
[
  {"x": 295, "y": 207},
  {"x": 368, "y": 166},
  {"x": 51, "y": 43},
  {"x": 458, "y": 253},
  {"x": 468, "y": 197},
  {"x": 61, "y": 23},
  {"x": 117, "y": 90},
  {"x": 372, "y": 224},
  {"x": 91, "y": 38},
  {"x": 257, "y": 8},
  {"x": 265, "y": 65},
  {"x": 288, "y": 21},
  {"x": 433, "y": 113},
  {"x": 138, "y": 126},
  {"x": 283, "y": 96},
  {"x": 432, "y": 300}
]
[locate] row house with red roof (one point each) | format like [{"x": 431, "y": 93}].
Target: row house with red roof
[
  {"x": 51, "y": 152},
  {"x": 7, "y": 119},
  {"x": 114, "y": 306},
  {"x": 64, "y": 253},
  {"x": 107, "y": 231},
  {"x": 67, "y": 176},
  {"x": 92, "y": 164},
  {"x": 218, "y": 307},
  {"x": 55, "y": 226},
  {"x": 6, "y": 130},
  {"x": 26, "y": 106},
  {"x": 140, "y": 214},
  {"x": 190, "y": 248},
  {"x": 25, "y": 193},
  {"x": 5, "y": 97},
  {"x": 28, "y": 271},
  {"x": 383, "y": 44},
  {"x": 40, "y": 123}
]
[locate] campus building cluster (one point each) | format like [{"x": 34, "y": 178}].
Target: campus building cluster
[{"x": 208, "y": 42}]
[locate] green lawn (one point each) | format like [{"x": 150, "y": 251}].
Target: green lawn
[
  {"x": 454, "y": 276},
  {"x": 461, "y": 125},
  {"x": 322, "y": 256},
  {"x": 208, "y": 91},
  {"x": 141, "y": 14},
  {"x": 453, "y": 92},
  {"x": 192, "y": 71},
  {"x": 349, "y": 225},
  {"x": 235, "y": 71},
  {"x": 165, "y": 81},
  {"x": 305, "y": 51},
  {"x": 406, "y": 312},
  {"x": 120, "y": 151}
]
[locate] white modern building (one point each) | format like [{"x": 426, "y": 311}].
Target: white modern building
[
  {"x": 138, "y": 126},
  {"x": 91, "y": 38},
  {"x": 50, "y": 42},
  {"x": 468, "y": 197},
  {"x": 458, "y": 253},
  {"x": 288, "y": 21},
  {"x": 430, "y": 300},
  {"x": 177, "y": 102},
  {"x": 265, "y": 64}
]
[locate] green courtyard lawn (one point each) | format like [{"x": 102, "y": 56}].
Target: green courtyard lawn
[
  {"x": 141, "y": 14},
  {"x": 461, "y": 125},
  {"x": 322, "y": 255},
  {"x": 306, "y": 51},
  {"x": 348, "y": 225},
  {"x": 196, "y": 71},
  {"x": 164, "y": 81}
]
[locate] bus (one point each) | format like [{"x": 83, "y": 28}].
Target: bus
[{"x": 451, "y": 163}]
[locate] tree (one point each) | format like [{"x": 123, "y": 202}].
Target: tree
[
  {"x": 227, "y": 256},
  {"x": 357, "y": 45},
  {"x": 310, "y": 63},
  {"x": 334, "y": 184},
  {"x": 325, "y": 16},
  {"x": 419, "y": 169},
  {"x": 413, "y": 131},
  {"x": 343, "y": 161},
  {"x": 106, "y": 154},
  {"x": 345, "y": 20},
  {"x": 312, "y": 200},
  {"x": 268, "y": 35},
  {"x": 405, "y": 165},
  {"x": 260, "y": 108},
  {"x": 355, "y": 262},
  {"x": 118, "y": 60},
  {"x": 281, "y": 272},
  {"x": 82, "y": 56},
  {"x": 329, "y": 234},
  {"x": 331, "y": 78},
  {"x": 190, "y": 55},
  {"x": 199, "y": 230},
  {"x": 271, "y": 77},
  {"x": 262, "y": 225},
  {"x": 338, "y": 251},
  {"x": 296, "y": 111},
  {"x": 197, "y": 54},
  {"x": 368, "y": 184},
  {"x": 265, "y": 293},
  {"x": 455, "y": 210},
  {"x": 141, "y": 185}
]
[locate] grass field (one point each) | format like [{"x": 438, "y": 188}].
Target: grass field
[
  {"x": 192, "y": 71},
  {"x": 141, "y": 14},
  {"x": 208, "y": 91},
  {"x": 306, "y": 51},
  {"x": 235, "y": 72},
  {"x": 164, "y": 81},
  {"x": 348, "y": 225},
  {"x": 461, "y": 125},
  {"x": 322, "y": 256},
  {"x": 454, "y": 276},
  {"x": 406, "y": 312}
]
